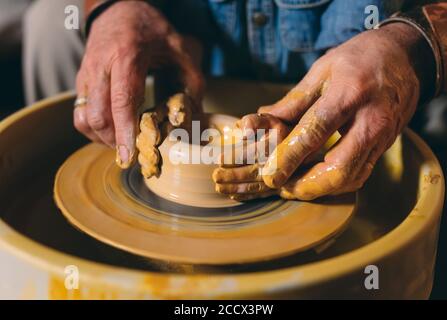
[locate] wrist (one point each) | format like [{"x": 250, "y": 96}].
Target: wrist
[
  {"x": 420, "y": 55},
  {"x": 94, "y": 8}
]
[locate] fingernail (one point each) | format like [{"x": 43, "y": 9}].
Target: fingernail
[{"x": 122, "y": 156}]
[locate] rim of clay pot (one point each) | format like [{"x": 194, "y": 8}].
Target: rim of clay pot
[
  {"x": 173, "y": 187},
  {"x": 430, "y": 200}
]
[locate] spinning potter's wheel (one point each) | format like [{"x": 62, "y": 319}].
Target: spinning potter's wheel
[
  {"x": 178, "y": 216},
  {"x": 116, "y": 207}
]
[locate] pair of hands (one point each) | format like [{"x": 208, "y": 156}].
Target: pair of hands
[{"x": 366, "y": 89}]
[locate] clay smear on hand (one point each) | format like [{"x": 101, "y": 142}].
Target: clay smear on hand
[{"x": 156, "y": 124}]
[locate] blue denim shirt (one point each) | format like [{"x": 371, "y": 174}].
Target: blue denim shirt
[{"x": 294, "y": 35}]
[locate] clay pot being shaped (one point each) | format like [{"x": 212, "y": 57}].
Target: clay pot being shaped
[{"x": 186, "y": 172}]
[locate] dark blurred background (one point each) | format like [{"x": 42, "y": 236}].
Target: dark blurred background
[
  {"x": 12, "y": 98},
  {"x": 11, "y": 13}
]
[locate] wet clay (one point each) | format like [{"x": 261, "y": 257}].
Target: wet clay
[{"x": 191, "y": 183}]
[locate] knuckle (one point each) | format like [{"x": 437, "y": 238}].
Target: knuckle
[
  {"x": 381, "y": 127},
  {"x": 341, "y": 61},
  {"x": 123, "y": 52},
  {"x": 121, "y": 101},
  {"x": 343, "y": 177},
  {"x": 79, "y": 120},
  {"x": 248, "y": 122},
  {"x": 127, "y": 51},
  {"x": 311, "y": 140},
  {"x": 305, "y": 195},
  {"x": 341, "y": 180},
  {"x": 319, "y": 65},
  {"x": 162, "y": 29},
  {"x": 80, "y": 125},
  {"x": 89, "y": 63},
  {"x": 97, "y": 122},
  {"x": 351, "y": 92},
  {"x": 358, "y": 184}
]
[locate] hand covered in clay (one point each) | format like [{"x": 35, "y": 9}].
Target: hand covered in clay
[
  {"x": 366, "y": 89},
  {"x": 156, "y": 124},
  {"x": 126, "y": 41},
  {"x": 239, "y": 173}
]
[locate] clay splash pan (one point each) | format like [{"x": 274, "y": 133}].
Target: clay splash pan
[{"x": 118, "y": 208}]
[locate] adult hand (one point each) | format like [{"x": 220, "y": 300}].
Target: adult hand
[
  {"x": 239, "y": 173},
  {"x": 125, "y": 41},
  {"x": 366, "y": 89}
]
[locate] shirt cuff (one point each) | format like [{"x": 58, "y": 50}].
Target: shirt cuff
[{"x": 94, "y": 8}]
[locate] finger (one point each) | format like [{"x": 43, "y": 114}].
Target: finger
[
  {"x": 147, "y": 140},
  {"x": 249, "y": 173},
  {"x": 317, "y": 125},
  {"x": 242, "y": 188},
  {"x": 127, "y": 93},
  {"x": 261, "y": 133},
  {"x": 99, "y": 114},
  {"x": 240, "y": 154},
  {"x": 341, "y": 166},
  {"x": 252, "y": 196},
  {"x": 251, "y": 123},
  {"x": 149, "y": 135},
  {"x": 81, "y": 124},
  {"x": 190, "y": 74},
  {"x": 298, "y": 100},
  {"x": 149, "y": 161},
  {"x": 319, "y": 181},
  {"x": 180, "y": 108},
  {"x": 248, "y": 152},
  {"x": 363, "y": 174},
  {"x": 79, "y": 113},
  {"x": 318, "y": 156}
]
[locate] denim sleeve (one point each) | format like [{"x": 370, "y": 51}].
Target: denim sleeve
[{"x": 343, "y": 19}]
